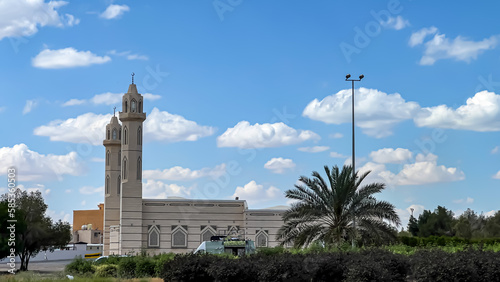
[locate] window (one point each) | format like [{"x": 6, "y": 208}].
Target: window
[
  {"x": 114, "y": 134},
  {"x": 261, "y": 239},
  {"x": 126, "y": 105},
  {"x": 108, "y": 156},
  {"x": 120, "y": 134},
  {"x": 154, "y": 236},
  {"x": 207, "y": 233},
  {"x": 139, "y": 169},
  {"x": 119, "y": 158},
  {"x": 107, "y": 135},
  {"x": 139, "y": 136},
  {"x": 118, "y": 185},
  {"x": 107, "y": 184},
  {"x": 125, "y": 137},
  {"x": 133, "y": 106},
  {"x": 124, "y": 168},
  {"x": 140, "y": 106},
  {"x": 179, "y": 237}
]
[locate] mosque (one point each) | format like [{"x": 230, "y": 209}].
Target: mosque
[{"x": 133, "y": 224}]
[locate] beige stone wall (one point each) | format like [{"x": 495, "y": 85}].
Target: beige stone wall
[{"x": 267, "y": 221}]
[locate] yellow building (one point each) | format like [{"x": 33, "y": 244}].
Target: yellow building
[{"x": 88, "y": 225}]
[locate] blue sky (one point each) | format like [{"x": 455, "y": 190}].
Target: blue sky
[{"x": 243, "y": 97}]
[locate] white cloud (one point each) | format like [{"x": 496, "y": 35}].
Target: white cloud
[
  {"x": 97, "y": 160},
  {"x": 254, "y": 193},
  {"x": 88, "y": 190},
  {"x": 497, "y": 175},
  {"x": 425, "y": 170},
  {"x": 114, "y": 11},
  {"x": 73, "y": 102},
  {"x": 84, "y": 203},
  {"x": 490, "y": 213},
  {"x": 65, "y": 217},
  {"x": 336, "y": 135},
  {"x": 376, "y": 112},
  {"x": 315, "y": 149},
  {"x": 159, "y": 190},
  {"x": 32, "y": 166},
  {"x": 495, "y": 150},
  {"x": 418, "y": 37},
  {"x": 440, "y": 47},
  {"x": 24, "y": 17},
  {"x": 396, "y": 23},
  {"x": 246, "y": 136},
  {"x": 129, "y": 55},
  {"x": 337, "y": 155},
  {"x": 422, "y": 170},
  {"x": 279, "y": 165},
  {"x": 467, "y": 200},
  {"x": 389, "y": 155},
  {"x": 29, "y": 106},
  {"x": 37, "y": 187},
  {"x": 481, "y": 113},
  {"x": 108, "y": 98},
  {"x": 184, "y": 174},
  {"x": 66, "y": 58},
  {"x": 89, "y": 128},
  {"x": 164, "y": 126}
]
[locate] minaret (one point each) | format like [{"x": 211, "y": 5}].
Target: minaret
[
  {"x": 132, "y": 118},
  {"x": 112, "y": 182}
]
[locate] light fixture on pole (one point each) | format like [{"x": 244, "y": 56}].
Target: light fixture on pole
[{"x": 353, "y": 148}]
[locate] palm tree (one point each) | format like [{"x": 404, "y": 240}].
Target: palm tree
[{"x": 325, "y": 211}]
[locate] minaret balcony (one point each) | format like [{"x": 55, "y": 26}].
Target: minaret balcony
[
  {"x": 112, "y": 142},
  {"x": 132, "y": 116}
]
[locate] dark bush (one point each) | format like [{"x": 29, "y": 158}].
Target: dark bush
[
  {"x": 376, "y": 265},
  {"x": 189, "y": 267},
  {"x": 242, "y": 269},
  {"x": 326, "y": 267},
  {"x": 437, "y": 265},
  {"x": 282, "y": 267}
]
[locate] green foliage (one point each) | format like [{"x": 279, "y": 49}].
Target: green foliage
[
  {"x": 267, "y": 251},
  {"x": 34, "y": 230},
  {"x": 127, "y": 267},
  {"x": 81, "y": 267},
  {"x": 160, "y": 261},
  {"x": 106, "y": 270},
  {"x": 326, "y": 210},
  {"x": 145, "y": 267}
]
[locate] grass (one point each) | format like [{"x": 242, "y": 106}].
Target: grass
[{"x": 60, "y": 276}]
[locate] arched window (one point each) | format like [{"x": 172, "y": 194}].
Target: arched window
[
  {"x": 133, "y": 106},
  {"x": 107, "y": 135},
  {"x": 126, "y": 105},
  {"x": 261, "y": 239},
  {"x": 120, "y": 134},
  {"x": 119, "y": 158},
  {"x": 118, "y": 185},
  {"x": 139, "y": 169},
  {"x": 108, "y": 156},
  {"x": 114, "y": 134},
  {"x": 140, "y": 106},
  {"x": 154, "y": 236},
  {"x": 125, "y": 136},
  {"x": 207, "y": 234},
  {"x": 124, "y": 167},
  {"x": 179, "y": 237},
  {"x": 107, "y": 184},
  {"x": 139, "y": 136}
]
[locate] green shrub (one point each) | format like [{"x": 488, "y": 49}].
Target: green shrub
[
  {"x": 189, "y": 267},
  {"x": 160, "y": 261},
  {"x": 145, "y": 267},
  {"x": 127, "y": 267},
  {"x": 80, "y": 266},
  {"x": 106, "y": 270},
  {"x": 270, "y": 251}
]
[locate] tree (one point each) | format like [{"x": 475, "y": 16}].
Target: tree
[
  {"x": 34, "y": 230},
  {"x": 493, "y": 225},
  {"x": 470, "y": 225},
  {"x": 437, "y": 223},
  {"x": 337, "y": 210},
  {"x": 413, "y": 226}
]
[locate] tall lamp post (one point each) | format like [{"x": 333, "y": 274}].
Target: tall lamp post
[{"x": 347, "y": 78}]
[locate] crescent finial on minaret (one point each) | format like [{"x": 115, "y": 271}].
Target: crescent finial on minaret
[{"x": 133, "y": 78}]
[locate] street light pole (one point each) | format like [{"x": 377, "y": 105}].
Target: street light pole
[{"x": 353, "y": 148}]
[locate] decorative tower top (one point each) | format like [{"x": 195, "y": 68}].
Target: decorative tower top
[{"x": 133, "y": 78}]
